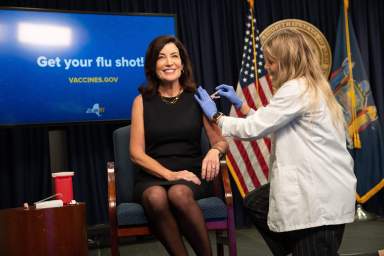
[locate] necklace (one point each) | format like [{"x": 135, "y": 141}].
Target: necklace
[{"x": 171, "y": 100}]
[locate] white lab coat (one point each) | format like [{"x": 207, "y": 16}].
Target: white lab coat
[{"x": 312, "y": 178}]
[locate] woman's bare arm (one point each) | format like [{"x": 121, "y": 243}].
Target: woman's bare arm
[{"x": 211, "y": 162}]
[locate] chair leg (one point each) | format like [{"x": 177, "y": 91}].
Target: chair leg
[
  {"x": 114, "y": 243},
  {"x": 232, "y": 244},
  {"x": 114, "y": 248},
  {"x": 219, "y": 243},
  {"x": 232, "y": 235}
]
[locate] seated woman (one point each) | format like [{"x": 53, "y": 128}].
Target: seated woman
[{"x": 165, "y": 142}]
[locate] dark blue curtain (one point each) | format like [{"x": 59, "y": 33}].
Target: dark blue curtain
[
  {"x": 212, "y": 30},
  {"x": 24, "y": 165}
]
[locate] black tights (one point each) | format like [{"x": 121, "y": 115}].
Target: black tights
[{"x": 172, "y": 213}]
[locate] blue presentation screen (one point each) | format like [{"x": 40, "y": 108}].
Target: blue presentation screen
[{"x": 60, "y": 67}]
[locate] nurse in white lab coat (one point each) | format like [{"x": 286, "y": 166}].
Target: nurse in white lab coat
[{"x": 312, "y": 183}]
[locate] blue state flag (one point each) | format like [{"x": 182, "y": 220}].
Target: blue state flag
[{"x": 352, "y": 89}]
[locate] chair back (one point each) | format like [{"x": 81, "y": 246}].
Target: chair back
[{"x": 125, "y": 169}]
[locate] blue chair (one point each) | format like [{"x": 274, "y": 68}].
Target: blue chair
[{"x": 127, "y": 218}]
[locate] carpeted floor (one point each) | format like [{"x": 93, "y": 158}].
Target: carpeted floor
[{"x": 360, "y": 238}]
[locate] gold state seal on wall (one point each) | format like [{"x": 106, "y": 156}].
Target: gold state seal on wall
[{"x": 317, "y": 40}]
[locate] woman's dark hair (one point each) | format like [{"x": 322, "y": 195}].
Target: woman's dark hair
[{"x": 151, "y": 56}]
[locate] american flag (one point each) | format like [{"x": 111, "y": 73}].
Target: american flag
[{"x": 248, "y": 161}]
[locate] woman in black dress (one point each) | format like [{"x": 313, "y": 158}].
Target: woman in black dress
[{"x": 165, "y": 142}]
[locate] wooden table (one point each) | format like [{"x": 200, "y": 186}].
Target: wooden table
[{"x": 53, "y": 231}]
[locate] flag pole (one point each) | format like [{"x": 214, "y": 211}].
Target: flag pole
[
  {"x": 251, "y": 5},
  {"x": 356, "y": 138},
  {"x": 360, "y": 214}
]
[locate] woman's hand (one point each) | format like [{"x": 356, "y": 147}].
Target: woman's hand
[
  {"x": 184, "y": 175},
  {"x": 228, "y": 92},
  {"x": 211, "y": 165}
]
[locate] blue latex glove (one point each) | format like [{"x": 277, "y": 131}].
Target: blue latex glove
[
  {"x": 228, "y": 92},
  {"x": 205, "y": 102}
]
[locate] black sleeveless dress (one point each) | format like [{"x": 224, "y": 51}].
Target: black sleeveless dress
[{"x": 173, "y": 138}]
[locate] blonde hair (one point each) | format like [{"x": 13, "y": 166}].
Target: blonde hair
[{"x": 295, "y": 59}]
